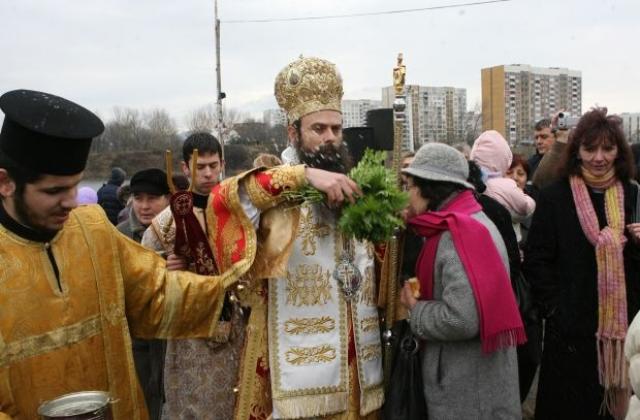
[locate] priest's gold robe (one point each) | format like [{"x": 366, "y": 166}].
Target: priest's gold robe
[{"x": 57, "y": 338}]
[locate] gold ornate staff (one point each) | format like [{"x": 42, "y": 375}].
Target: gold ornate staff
[
  {"x": 399, "y": 119},
  {"x": 168, "y": 161}
]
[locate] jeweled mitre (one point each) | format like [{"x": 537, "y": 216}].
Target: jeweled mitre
[{"x": 308, "y": 85}]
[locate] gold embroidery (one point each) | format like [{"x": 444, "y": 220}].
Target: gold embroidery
[
  {"x": 310, "y": 355},
  {"x": 221, "y": 198},
  {"x": 309, "y": 231},
  {"x": 47, "y": 342},
  {"x": 307, "y": 85},
  {"x": 368, "y": 295},
  {"x": 306, "y": 397},
  {"x": 260, "y": 198},
  {"x": 371, "y": 252},
  {"x": 114, "y": 314},
  {"x": 369, "y": 324},
  {"x": 277, "y": 392},
  {"x": 320, "y": 325},
  {"x": 164, "y": 228},
  {"x": 371, "y": 351},
  {"x": 261, "y": 407},
  {"x": 203, "y": 259},
  {"x": 229, "y": 191},
  {"x": 284, "y": 177},
  {"x": 309, "y": 286},
  {"x": 255, "y": 394},
  {"x": 231, "y": 233}
]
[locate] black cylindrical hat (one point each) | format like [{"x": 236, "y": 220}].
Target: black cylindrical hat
[{"x": 46, "y": 133}]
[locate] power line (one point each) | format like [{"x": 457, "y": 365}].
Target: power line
[{"x": 351, "y": 15}]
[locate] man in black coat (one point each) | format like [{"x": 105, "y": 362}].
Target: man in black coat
[
  {"x": 544, "y": 139},
  {"x": 108, "y": 194}
]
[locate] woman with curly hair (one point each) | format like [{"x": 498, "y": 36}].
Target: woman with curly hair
[{"x": 582, "y": 260}]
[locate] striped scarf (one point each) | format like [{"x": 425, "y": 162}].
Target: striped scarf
[
  {"x": 612, "y": 297},
  {"x": 601, "y": 182}
]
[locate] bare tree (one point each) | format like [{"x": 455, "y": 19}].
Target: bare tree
[
  {"x": 232, "y": 116},
  {"x": 127, "y": 129},
  {"x": 202, "y": 119},
  {"x": 133, "y": 130},
  {"x": 473, "y": 124},
  {"x": 162, "y": 128},
  {"x": 205, "y": 119}
]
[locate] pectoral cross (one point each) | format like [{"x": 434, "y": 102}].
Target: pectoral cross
[{"x": 348, "y": 275}]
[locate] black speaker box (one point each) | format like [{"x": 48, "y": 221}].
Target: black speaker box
[
  {"x": 381, "y": 120},
  {"x": 357, "y": 140}
]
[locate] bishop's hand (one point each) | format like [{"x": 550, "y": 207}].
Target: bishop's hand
[{"x": 338, "y": 187}]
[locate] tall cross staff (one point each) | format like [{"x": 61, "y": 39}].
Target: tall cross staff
[{"x": 399, "y": 120}]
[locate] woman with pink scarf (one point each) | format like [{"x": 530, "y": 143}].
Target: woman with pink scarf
[
  {"x": 466, "y": 314},
  {"x": 583, "y": 262}
]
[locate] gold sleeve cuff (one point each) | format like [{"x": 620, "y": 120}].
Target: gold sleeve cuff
[
  {"x": 300, "y": 178},
  {"x": 280, "y": 178}
]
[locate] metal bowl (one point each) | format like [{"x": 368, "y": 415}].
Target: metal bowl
[{"x": 86, "y": 405}]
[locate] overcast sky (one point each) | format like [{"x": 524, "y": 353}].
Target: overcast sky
[{"x": 161, "y": 54}]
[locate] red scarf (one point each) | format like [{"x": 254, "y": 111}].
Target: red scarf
[{"x": 500, "y": 322}]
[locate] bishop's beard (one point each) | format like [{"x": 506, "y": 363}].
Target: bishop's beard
[{"x": 326, "y": 156}]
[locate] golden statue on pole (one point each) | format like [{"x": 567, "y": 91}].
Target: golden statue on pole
[{"x": 399, "y": 73}]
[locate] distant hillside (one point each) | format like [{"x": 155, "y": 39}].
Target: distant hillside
[{"x": 100, "y": 164}]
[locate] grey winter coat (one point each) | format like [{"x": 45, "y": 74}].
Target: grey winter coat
[
  {"x": 132, "y": 227},
  {"x": 460, "y": 382}
]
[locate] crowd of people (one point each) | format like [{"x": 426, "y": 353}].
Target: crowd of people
[{"x": 185, "y": 296}]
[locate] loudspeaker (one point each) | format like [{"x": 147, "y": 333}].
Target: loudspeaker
[
  {"x": 381, "y": 120},
  {"x": 357, "y": 140}
]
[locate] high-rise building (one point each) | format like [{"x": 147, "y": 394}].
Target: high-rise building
[
  {"x": 433, "y": 113},
  {"x": 274, "y": 117},
  {"x": 514, "y": 97},
  {"x": 354, "y": 111},
  {"x": 631, "y": 126}
]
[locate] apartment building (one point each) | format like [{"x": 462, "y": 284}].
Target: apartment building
[{"x": 515, "y": 96}]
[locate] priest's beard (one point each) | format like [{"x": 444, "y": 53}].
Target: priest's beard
[
  {"x": 326, "y": 156},
  {"x": 25, "y": 215}
]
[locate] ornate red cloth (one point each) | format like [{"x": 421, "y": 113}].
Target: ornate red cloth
[{"x": 191, "y": 241}]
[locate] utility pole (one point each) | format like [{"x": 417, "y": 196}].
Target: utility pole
[{"x": 221, "y": 95}]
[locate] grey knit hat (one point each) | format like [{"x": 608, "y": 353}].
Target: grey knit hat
[{"x": 439, "y": 162}]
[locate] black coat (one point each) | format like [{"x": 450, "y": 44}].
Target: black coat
[
  {"x": 560, "y": 264},
  {"x": 108, "y": 200}
]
